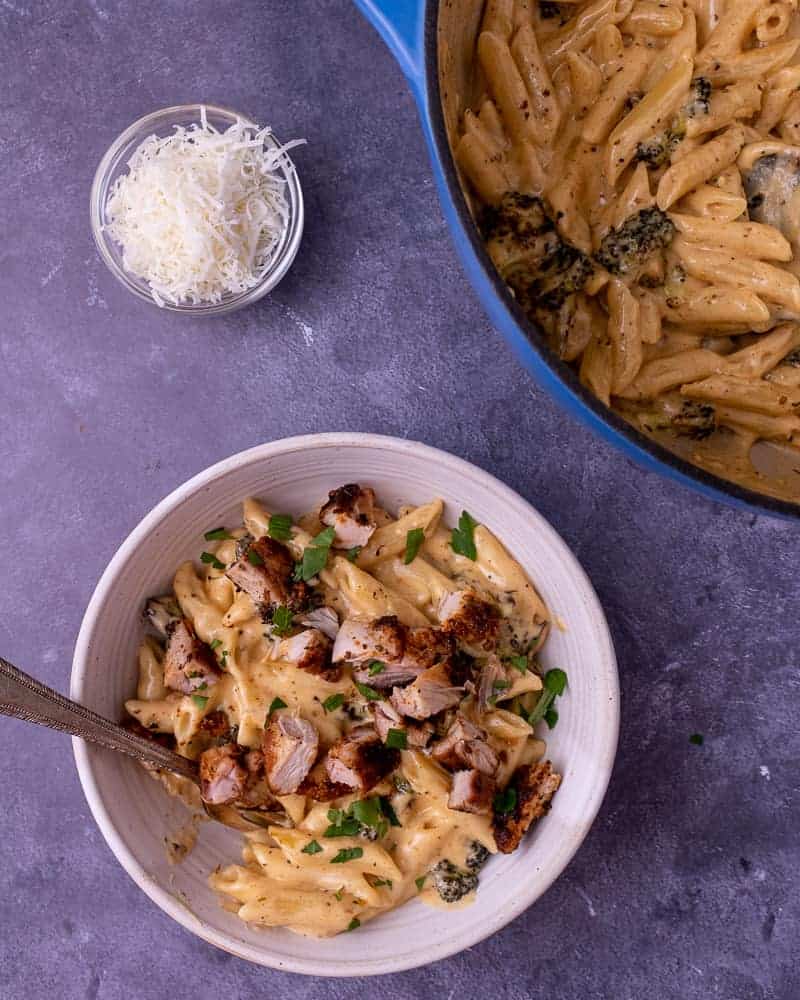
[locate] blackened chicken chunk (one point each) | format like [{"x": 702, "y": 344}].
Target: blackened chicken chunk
[
  {"x": 432, "y": 692},
  {"x": 470, "y": 619},
  {"x": 310, "y": 650},
  {"x": 359, "y": 760},
  {"x": 472, "y": 791},
  {"x": 534, "y": 785},
  {"x": 222, "y": 775},
  {"x": 264, "y": 572},
  {"x": 290, "y": 746},
  {"x": 359, "y": 642},
  {"x": 387, "y": 653},
  {"x": 386, "y": 718},
  {"x": 466, "y": 746},
  {"x": 189, "y": 664},
  {"x": 350, "y": 511}
]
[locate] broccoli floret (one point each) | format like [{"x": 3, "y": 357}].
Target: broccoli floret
[
  {"x": 452, "y": 883},
  {"x": 639, "y": 236},
  {"x": 542, "y": 269},
  {"x": 655, "y": 152},
  {"x": 477, "y": 856},
  {"x": 687, "y": 418}
]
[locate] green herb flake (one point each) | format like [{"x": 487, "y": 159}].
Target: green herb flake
[
  {"x": 276, "y": 704},
  {"x": 216, "y": 644},
  {"x": 332, "y": 702},
  {"x": 200, "y": 700},
  {"x": 217, "y": 535},
  {"x": 420, "y": 882},
  {"x": 551, "y": 718},
  {"x": 368, "y": 812},
  {"x": 388, "y": 811},
  {"x": 346, "y": 826},
  {"x": 281, "y": 621},
  {"x": 382, "y": 881},
  {"x": 280, "y": 527},
  {"x": 354, "y": 923},
  {"x": 312, "y": 847},
  {"x": 697, "y": 739},
  {"x": 555, "y": 681},
  {"x": 414, "y": 540},
  {"x": 462, "y": 540},
  {"x": 315, "y": 556},
  {"x": 347, "y": 854},
  {"x": 254, "y": 558},
  {"x": 339, "y": 895},
  {"x": 397, "y": 739},
  {"x": 210, "y": 558},
  {"x": 352, "y": 554},
  {"x": 519, "y": 662},
  {"x": 505, "y": 802},
  {"x": 368, "y": 692},
  {"x": 376, "y": 667}
]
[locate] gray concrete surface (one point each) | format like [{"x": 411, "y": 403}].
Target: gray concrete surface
[{"x": 687, "y": 886}]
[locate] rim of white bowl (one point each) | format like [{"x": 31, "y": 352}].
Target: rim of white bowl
[{"x": 435, "y": 951}]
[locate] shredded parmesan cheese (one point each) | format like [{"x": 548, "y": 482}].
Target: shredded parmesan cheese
[{"x": 199, "y": 214}]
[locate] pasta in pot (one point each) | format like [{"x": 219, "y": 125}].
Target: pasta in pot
[
  {"x": 636, "y": 171},
  {"x": 361, "y": 693}
]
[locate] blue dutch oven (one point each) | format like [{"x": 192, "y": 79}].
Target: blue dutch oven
[{"x": 409, "y": 28}]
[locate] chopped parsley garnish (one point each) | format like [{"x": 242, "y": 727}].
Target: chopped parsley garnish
[
  {"x": 216, "y": 644},
  {"x": 332, "y": 702},
  {"x": 355, "y": 922},
  {"x": 420, "y": 882},
  {"x": 519, "y": 662},
  {"x": 397, "y": 739},
  {"x": 505, "y": 802},
  {"x": 347, "y": 854},
  {"x": 217, "y": 535},
  {"x": 368, "y": 692},
  {"x": 554, "y": 683},
  {"x": 339, "y": 895},
  {"x": 254, "y": 558},
  {"x": 462, "y": 540},
  {"x": 368, "y": 812},
  {"x": 281, "y": 621},
  {"x": 382, "y": 881},
  {"x": 315, "y": 556},
  {"x": 223, "y": 658},
  {"x": 352, "y": 554},
  {"x": 342, "y": 825},
  {"x": 402, "y": 784},
  {"x": 388, "y": 811},
  {"x": 209, "y": 557},
  {"x": 280, "y": 527},
  {"x": 497, "y": 687},
  {"x": 376, "y": 667},
  {"x": 312, "y": 847},
  {"x": 697, "y": 739},
  {"x": 414, "y": 540},
  {"x": 276, "y": 704},
  {"x": 200, "y": 700}
]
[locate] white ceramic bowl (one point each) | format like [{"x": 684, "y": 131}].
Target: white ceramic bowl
[{"x": 135, "y": 815}]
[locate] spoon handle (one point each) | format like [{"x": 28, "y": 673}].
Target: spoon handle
[{"x": 23, "y": 697}]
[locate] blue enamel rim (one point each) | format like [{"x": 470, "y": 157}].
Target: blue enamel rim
[{"x": 409, "y": 29}]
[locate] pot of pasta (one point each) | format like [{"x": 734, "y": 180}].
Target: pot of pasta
[{"x": 622, "y": 178}]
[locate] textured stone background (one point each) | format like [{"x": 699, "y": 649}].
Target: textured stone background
[{"x": 687, "y": 886}]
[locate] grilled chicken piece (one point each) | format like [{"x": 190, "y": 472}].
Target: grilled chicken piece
[
  {"x": 222, "y": 776},
  {"x": 386, "y": 717},
  {"x": 188, "y": 663},
  {"x": 162, "y": 613},
  {"x": 472, "y": 792},
  {"x": 431, "y": 693},
  {"x": 359, "y": 760},
  {"x": 470, "y": 619},
  {"x": 350, "y": 511},
  {"x": 494, "y": 682},
  {"x": 290, "y": 746},
  {"x": 319, "y": 787},
  {"x": 325, "y": 619},
  {"x": 264, "y": 572},
  {"x": 535, "y": 784},
  {"x": 405, "y": 652},
  {"x": 310, "y": 651},
  {"x": 466, "y": 746},
  {"x": 359, "y": 642},
  {"x": 216, "y": 728}
]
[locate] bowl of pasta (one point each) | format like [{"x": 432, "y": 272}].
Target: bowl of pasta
[
  {"x": 396, "y": 682},
  {"x": 621, "y": 179}
]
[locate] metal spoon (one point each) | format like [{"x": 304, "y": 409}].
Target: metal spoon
[{"x": 23, "y": 697}]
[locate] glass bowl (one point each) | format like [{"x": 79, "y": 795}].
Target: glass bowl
[{"x": 115, "y": 163}]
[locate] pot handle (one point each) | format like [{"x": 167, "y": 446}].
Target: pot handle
[{"x": 400, "y": 23}]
